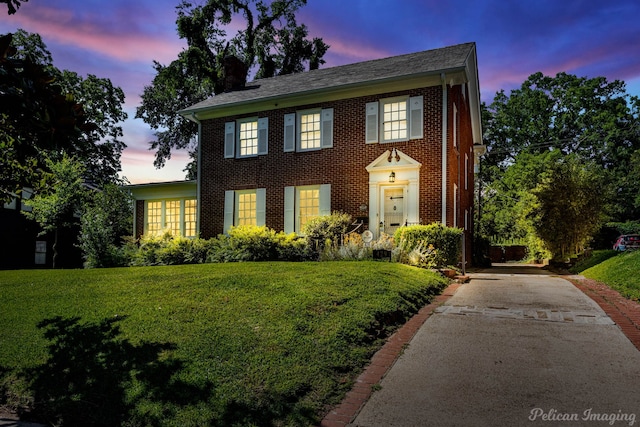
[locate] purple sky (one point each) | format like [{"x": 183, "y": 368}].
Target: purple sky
[{"x": 119, "y": 39}]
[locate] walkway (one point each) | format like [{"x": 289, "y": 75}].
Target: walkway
[{"x": 510, "y": 348}]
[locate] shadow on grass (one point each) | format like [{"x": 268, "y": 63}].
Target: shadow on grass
[{"x": 94, "y": 377}]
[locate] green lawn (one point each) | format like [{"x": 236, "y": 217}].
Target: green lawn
[
  {"x": 214, "y": 344},
  {"x": 621, "y": 272}
]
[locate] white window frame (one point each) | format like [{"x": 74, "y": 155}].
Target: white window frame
[
  {"x": 292, "y": 205},
  {"x": 231, "y": 201},
  {"x": 239, "y": 139},
  {"x": 232, "y": 141},
  {"x": 292, "y": 130},
  {"x": 163, "y": 215},
  {"x": 374, "y": 119}
]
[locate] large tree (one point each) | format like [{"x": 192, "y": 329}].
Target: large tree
[
  {"x": 267, "y": 41},
  {"x": 531, "y": 130},
  {"x": 46, "y": 112}
]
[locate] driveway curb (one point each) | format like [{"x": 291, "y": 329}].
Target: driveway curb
[{"x": 381, "y": 362}]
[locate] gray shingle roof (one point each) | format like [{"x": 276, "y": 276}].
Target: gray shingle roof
[{"x": 396, "y": 67}]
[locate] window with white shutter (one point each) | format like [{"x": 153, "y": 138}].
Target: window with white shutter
[
  {"x": 394, "y": 119},
  {"x": 308, "y": 130},
  {"x": 244, "y": 207},
  {"x": 303, "y": 203}
]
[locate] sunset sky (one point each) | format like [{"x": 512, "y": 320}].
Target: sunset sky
[{"x": 119, "y": 39}]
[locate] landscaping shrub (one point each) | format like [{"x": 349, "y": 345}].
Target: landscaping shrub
[
  {"x": 325, "y": 228},
  {"x": 446, "y": 243},
  {"x": 351, "y": 249},
  {"x": 246, "y": 243},
  {"x": 167, "y": 249}
]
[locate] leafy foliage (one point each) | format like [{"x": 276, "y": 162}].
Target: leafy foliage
[
  {"x": 326, "y": 228},
  {"x": 266, "y": 37},
  {"x": 13, "y": 5},
  {"x": 530, "y": 132},
  {"x": 567, "y": 211},
  {"x": 436, "y": 244},
  {"x": 106, "y": 219},
  {"x": 47, "y": 113},
  {"x": 58, "y": 197}
]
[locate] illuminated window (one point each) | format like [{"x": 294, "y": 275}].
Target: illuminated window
[
  {"x": 308, "y": 204},
  {"x": 246, "y": 208},
  {"x": 394, "y": 120},
  {"x": 177, "y": 216},
  {"x": 190, "y": 209},
  {"x": 154, "y": 218},
  {"x": 248, "y": 138},
  {"x": 172, "y": 216},
  {"x": 310, "y": 136}
]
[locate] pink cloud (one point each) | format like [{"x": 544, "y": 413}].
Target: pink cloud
[{"x": 64, "y": 27}]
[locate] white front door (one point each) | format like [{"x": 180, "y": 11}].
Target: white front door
[{"x": 392, "y": 209}]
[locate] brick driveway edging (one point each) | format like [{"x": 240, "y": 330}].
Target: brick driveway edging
[
  {"x": 624, "y": 312},
  {"x": 381, "y": 362}
]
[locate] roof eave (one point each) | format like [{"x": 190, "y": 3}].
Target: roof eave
[{"x": 314, "y": 96}]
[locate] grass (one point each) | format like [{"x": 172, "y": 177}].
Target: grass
[
  {"x": 596, "y": 258},
  {"x": 621, "y": 272},
  {"x": 214, "y": 344}
]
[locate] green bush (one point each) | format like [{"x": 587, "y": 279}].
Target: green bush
[
  {"x": 245, "y": 243},
  {"x": 445, "y": 241},
  {"x": 257, "y": 243},
  {"x": 325, "y": 228},
  {"x": 167, "y": 249}
]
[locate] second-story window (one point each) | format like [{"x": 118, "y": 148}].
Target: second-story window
[
  {"x": 394, "y": 120},
  {"x": 310, "y": 130},
  {"x": 248, "y": 138}
]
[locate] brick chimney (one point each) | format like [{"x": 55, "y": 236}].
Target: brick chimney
[{"x": 235, "y": 73}]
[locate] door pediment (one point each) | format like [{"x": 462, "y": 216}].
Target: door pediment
[{"x": 393, "y": 159}]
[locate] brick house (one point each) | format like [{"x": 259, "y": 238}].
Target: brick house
[{"x": 390, "y": 141}]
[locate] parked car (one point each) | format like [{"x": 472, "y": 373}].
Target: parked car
[{"x": 627, "y": 242}]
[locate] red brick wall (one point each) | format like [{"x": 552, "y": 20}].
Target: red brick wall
[
  {"x": 342, "y": 166},
  {"x": 139, "y": 219}
]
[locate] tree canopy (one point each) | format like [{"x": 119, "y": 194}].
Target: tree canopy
[
  {"x": 263, "y": 35},
  {"x": 46, "y": 113},
  {"x": 13, "y": 5},
  {"x": 546, "y": 142}
]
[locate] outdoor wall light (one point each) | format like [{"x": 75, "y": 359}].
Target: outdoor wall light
[{"x": 392, "y": 177}]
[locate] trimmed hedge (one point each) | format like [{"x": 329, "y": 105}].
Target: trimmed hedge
[{"x": 446, "y": 242}]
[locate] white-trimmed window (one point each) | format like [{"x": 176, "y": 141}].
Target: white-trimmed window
[
  {"x": 153, "y": 218},
  {"x": 246, "y": 138},
  {"x": 394, "y": 119},
  {"x": 190, "y": 217},
  {"x": 244, "y": 207},
  {"x": 308, "y": 130},
  {"x": 303, "y": 203},
  {"x": 177, "y": 216}
]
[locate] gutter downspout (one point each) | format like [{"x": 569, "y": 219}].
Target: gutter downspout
[
  {"x": 444, "y": 149},
  {"x": 199, "y": 170}
]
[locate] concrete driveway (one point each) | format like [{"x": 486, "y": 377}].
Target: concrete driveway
[{"x": 513, "y": 347}]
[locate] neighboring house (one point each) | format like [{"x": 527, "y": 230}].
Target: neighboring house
[
  {"x": 23, "y": 246},
  {"x": 391, "y": 142}
]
